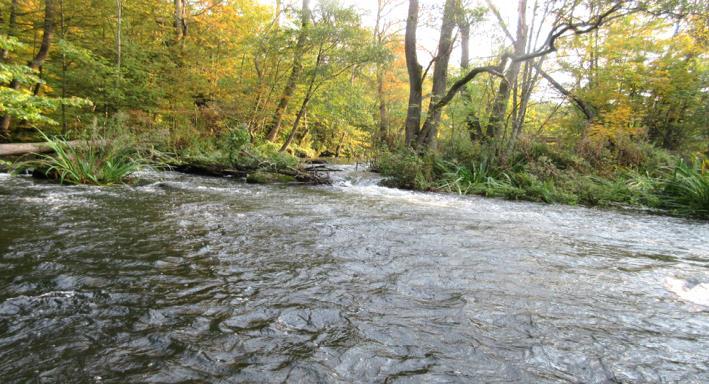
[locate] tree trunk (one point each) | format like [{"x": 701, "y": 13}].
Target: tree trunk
[
  {"x": 306, "y": 129},
  {"x": 294, "y": 75},
  {"x": 585, "y": 108},
  {"x": 38, "y": 85},
  {"x": 496, "y": 125},
  {"x": 180, "y": 21},
  {"x": 11, "y": 28},
  {"x": 36, "y": 62},
  {"x": 308, "y": 94},
  {"x": 339, "y": 144},
  {"x": 65, "y": 66},
  {"x": 413, "y": 113},
  {"x": 472, "y": 121},
  {"x": 427, "y": 136},
  {"x": 379, "y": 39},
  {"x": 277, "y": 15},
  {"x": 119, "y": 26},
  {"x": 383, "y": 114},
  {"x": 296, "y": 123}
]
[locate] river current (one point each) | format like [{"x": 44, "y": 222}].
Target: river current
[{"x": 186, "y": 279}]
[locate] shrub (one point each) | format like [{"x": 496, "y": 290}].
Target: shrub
[
  {"x": 100, "y": 161},
  {"x": 406, "y": 169},
  {"x": 269, "y": 156},
  {"x": 686, "y": 190}
]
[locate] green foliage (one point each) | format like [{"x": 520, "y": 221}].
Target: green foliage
[
  {"x": 269, "y": 156},
  {"x": 22, "y": 105},
  {"x": 98, "y": 161},
  {"x": 111, "y": 88},
  {"x": 406, "y": 169},
  {"x": 18, "y": 102},
  {"x": 233, "y": 148},
  {"x": 686, "y": 190},
  {"x": 5, "y": 165}
]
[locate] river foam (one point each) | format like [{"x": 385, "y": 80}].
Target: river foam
[{"x": 693, "y": 292}]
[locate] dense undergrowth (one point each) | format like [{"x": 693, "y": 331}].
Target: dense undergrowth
[
  {"x": 233, "y": 147},
  {"x": 637, "y": 175},
  {"x": 111, "y": 155}
]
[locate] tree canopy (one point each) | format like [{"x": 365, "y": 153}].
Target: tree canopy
[{"x": 315, "y": 77}]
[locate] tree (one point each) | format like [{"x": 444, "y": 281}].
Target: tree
[
  {"x": 564, "y": 27},
  {"x": 498, "y": 115},
  {"x": 37, "y": 60},
  {"x": 19, "y": 102},
  {"x": 296, "y": 68},
  {"x": 415, "y": 70},
  {"x": 11, "y": 28},
  {"x": 340, "y": 48},
  {"x": 427, "y": 136}
]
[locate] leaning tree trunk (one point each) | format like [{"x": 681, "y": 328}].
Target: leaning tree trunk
[
  {"x": 42, "y": 53},
  {"x": 413, "y": 112},
  {"x": 20, "y": 149},
  {"x": 587, "y": 109},
  {"x": 303, "y": 107},
  {"x": 294, "y": 75},
  {"x": 296, "y": 124}
]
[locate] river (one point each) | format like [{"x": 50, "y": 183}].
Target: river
[{"x": 186, "y": 279}]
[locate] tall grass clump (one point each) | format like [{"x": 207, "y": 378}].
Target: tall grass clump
[
  {"x": 233, "y": 148},
  {"x": 97, "y": 161},
  {"x": 686, "y": 190}
]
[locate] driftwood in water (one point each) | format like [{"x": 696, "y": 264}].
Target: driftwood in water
[{"x": 19, "y": 149}]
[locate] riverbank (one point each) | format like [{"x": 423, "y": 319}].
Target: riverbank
[
  {"x": 659, "y": 181},
  {"x": 654, "y": 180}
]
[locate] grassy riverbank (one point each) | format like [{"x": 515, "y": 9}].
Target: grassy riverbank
[{"x": 647, "y": 177}]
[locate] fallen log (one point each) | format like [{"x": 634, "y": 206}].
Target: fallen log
[
  {"x": 252, "y": 174},
  {"x": 213, "y": 170},
  {"x": 18, "y": 149},
  {"x": 321, "y": 168}
]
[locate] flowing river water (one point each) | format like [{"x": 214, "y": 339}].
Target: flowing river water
[{"x": 187, "y": 279}]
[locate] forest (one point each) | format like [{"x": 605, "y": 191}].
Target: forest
[
  {"x": 354, "y": 191},
  {"x": 592, "y": 102}
]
